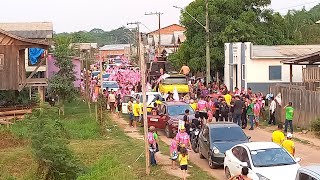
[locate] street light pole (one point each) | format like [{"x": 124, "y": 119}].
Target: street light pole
[
  {"x": 206, "y": 27},
  {"x": 208, "y": 44}
]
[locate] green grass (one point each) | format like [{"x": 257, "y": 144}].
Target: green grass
[{"x": 106, "y": 157}]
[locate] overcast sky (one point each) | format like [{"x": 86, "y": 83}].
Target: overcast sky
[{"x": 75, "y": 15}]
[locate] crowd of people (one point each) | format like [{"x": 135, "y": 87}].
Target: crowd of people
[{"x": 211, "y": 102}]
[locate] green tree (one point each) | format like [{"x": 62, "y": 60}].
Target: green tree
[
  {"x": 241, "y": 21},
  {"x": 55, "y": 160},
  {"x": 61, "y": 84}
]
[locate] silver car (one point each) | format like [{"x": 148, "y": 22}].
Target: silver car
[{"x": 311, "y": 172}]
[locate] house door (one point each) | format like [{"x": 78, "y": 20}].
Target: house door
[{"x": 235, "y": 76}]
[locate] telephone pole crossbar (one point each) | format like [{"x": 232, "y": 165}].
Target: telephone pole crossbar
[{"x": 159, "y": 30}]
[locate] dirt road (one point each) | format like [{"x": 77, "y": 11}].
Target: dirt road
[{"x": 308, "y": 154}]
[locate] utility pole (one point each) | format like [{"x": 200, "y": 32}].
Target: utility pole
[
  {"x": 137, "y": 36},
  {"x": 206, "y": 27},
  {"x": 208, "y": 43},
  {"x": 159, "y": 33},
  {"x": 144, "y": 98}
]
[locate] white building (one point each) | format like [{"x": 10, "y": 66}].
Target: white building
[{"x": 258, "y": 66}]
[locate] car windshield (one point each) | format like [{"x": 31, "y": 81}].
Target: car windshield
[
  {"x": 179, "y": 109},
  {"x": 110, "y": 85},
  {"x": 271, "y": 157},
  {"x": 228, "y": 134},
  {"x": 175, "y": 80}
]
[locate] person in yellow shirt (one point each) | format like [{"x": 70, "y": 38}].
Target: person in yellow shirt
[
  {"x": 277, "y": 135},
  {"x": 183, "y": 160},
  {"x": 136, "y": 113},
  {"x": 193, "y": 104},
  {"x": 288, "y": 144},
  {"x": 141, "y": 114},
  {"x": 228, "y": 98}
]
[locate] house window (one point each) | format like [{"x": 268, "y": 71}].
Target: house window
[
  {"x": 275, "y": 73},
  {"x": 243, "y": 72},
  {"x": 1, "y": 61}
]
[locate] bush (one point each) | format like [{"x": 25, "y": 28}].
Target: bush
[
  {"x": 315, "y": 125},
  {"x": 55, "y": 160}
]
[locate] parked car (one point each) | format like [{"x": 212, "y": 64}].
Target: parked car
[
  {"x": 111, "y": 85},
  {"x": 105, "y": 76},
  {"x": 169, "y": 116},
  {"x": 118, "y": 62},
  {"x": 311, "y": 172},
  {"x": 216, "y": 138},
  {"x": 95, "y": 74},
  {"x": 265, "y": 160}
]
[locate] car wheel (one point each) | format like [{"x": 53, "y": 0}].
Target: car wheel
[
  {"x": 211, "y": 164},
  {"x": 168, "y": 131},
  {"x": 227, "y": 173},
  {"x": 200, "y": 154}
]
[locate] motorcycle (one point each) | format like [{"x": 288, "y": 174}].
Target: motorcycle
[{"x": 194, "y": 134}]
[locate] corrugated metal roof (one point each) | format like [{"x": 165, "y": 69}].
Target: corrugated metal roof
[
  {"x": 114, "y": 47},
  {"x": 284, "y": 50},
  {"x": 31, "y": 30},
  {"x": 33, "y": 41}
]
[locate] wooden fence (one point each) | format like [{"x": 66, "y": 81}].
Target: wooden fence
[
  {"x": 311, "y": 74},
  {"x": 305, "y": 102},
  {"x": 312, "y": 86}
]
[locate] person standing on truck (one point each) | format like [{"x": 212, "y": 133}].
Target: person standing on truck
[{"x": 185, "y": 70}]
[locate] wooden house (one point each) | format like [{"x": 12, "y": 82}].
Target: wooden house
[{"x": 12, "y": 59}]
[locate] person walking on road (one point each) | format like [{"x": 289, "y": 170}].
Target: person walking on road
[
  {"x": 272, "y": 108},
  {"x": 112, "y": 101},
  {"x": 250, "y": 113},
  {"x": 152, "y": 146},
  {"x": 136, "y": 113},
  {"x": 237, "y": 110},
  {"x": 183, "y": 139},
  {"x": 277, "y": 135},
  {"x": 173, "y": 153},
  {"x": 130, "y": 111},
  {"x": 289, "y": 117},
  {"x": 183, "y": 160},
  {"x": 288, "y": 144}
]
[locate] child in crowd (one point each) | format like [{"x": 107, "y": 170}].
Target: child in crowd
[
  {"x": 183, "y": 160},
  {"x": 173, "y": 153}
]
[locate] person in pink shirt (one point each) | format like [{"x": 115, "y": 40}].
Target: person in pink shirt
[
  {"x": 183, "y": 138},
  {"x": 173, "y": 153},
  {"x": 202, "y": 107},
  {"x": 256, "y": 111}
]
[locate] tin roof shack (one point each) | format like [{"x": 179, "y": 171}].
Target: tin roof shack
[
  {"x": 34, "y": 31},
  {"x": 12, "y": 57}
]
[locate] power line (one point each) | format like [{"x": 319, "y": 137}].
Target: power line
[{"x": 297, "y": 5}]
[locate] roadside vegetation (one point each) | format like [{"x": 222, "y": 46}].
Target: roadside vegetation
[{"x": 73, "y": 147}]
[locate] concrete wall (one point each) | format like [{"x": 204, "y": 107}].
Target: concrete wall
[{"x": 258, "y": 71}]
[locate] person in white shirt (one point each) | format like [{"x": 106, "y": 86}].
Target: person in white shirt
[{"x": 272, "y": 108}]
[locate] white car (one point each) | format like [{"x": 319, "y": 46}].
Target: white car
[
  {"x": 265, "y": 160},
  {"x": 151, "y": 96}
]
